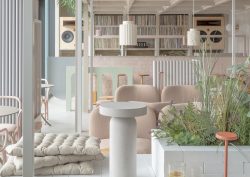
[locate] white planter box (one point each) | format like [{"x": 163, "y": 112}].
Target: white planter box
[{"x": 209, "y": 158}]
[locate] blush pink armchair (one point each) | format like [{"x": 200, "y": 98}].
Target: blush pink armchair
[{"x": 99, "y": 125}]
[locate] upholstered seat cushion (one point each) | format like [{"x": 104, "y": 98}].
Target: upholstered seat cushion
[
  {"x": 143, "y": 145},
  {"x": 49, "y": 161},
  {"x": 9, "y": 127},
  {"x": 58, "y": 144},
  {"x": 81, "y": 168}
]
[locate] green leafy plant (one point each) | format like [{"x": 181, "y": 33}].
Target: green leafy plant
[
  {"x": 69, "y": 4},
  {"x": 224, "y": 107}
]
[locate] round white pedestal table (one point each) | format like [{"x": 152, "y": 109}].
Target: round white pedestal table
[{"x": 123, "y": 135}]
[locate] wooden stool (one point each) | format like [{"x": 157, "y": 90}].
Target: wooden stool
[
  {"x": 106, "y": 97},
  {"x": 142, "y": 77},
  {"x": 119, "y": 77},
  {"x": 226, "y": 136}
]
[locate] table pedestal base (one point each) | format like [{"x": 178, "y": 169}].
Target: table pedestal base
[{"x": 123, "y": 147}]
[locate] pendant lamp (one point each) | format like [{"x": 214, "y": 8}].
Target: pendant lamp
[
  {"x": 128, "y": 33},
  {"x": 193, "y": 35}
]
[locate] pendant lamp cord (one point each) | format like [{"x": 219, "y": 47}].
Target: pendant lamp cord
[{"x": 193, "y": 13}]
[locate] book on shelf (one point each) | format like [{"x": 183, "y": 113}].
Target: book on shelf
[
  {"x": 172, "y": 19},
  {"x": 108, "y": 20},
  {"x": 104, "y": 43}
]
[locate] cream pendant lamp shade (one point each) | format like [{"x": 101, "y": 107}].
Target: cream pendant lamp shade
[
  {"x": 128, "y": 33},
  {"x": 193, "y": 37}
]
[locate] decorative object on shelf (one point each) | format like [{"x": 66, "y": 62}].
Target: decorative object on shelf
[
  {"x": 193, "y": 35},
  {"x": 98, "y": 32},
  {"x": 127, "y": 33},
  {"x": 226, "y": 136},
  {"x": 142, "y": 45}
]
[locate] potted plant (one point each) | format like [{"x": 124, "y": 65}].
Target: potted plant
[{"x": 189, "y": 135}]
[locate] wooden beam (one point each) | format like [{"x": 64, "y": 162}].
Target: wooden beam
[
  {"x": 130, "y": 4},
  {"x": 173, "y": 3},
  {"x": 215, "y": 4}
]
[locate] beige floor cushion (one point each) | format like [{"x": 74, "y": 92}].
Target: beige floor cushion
[
  {"x": 82, "y": 168},
  {"x": 143, "y": 146},
  {"x": 48, "y": 161},
  {"x": 58, "y": 144}
]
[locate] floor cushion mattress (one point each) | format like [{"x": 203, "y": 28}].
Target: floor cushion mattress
[{"x": 52, "y": 144}]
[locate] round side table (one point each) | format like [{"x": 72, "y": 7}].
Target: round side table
[
  {"x": 123, "y": 135},
  {"x": 226, "y": 136}
]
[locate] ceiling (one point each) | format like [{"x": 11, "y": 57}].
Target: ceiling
[{"x": 167, "y": 6}]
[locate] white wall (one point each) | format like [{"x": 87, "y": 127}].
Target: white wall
[{"x": 242, "y": 19}]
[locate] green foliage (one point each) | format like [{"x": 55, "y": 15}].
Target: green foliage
[
  {"x": 69, "y": 4},
  {"x": 225, "y": 107},
  {"x": 190, "y": 126}
]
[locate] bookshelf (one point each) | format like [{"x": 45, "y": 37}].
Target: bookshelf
[
  {"x": 173, "y": 28},
  {"x": 160, "y": 33},
  {"x": 108, "y": 25}
]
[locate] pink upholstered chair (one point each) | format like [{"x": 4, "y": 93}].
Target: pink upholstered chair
[
  {"x": 13, "y": 126},
  {"x": 180, "y": 94},
  {"x": 99, "y": 125}
]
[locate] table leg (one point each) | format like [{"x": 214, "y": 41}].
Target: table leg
[{"x": 122, "y": 147}]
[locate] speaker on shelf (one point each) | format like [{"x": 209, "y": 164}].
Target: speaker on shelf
[
  {"x": 212, "y": 30},
  {"x": 67, "y": 33}
]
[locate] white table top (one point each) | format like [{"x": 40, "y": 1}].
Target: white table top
[
  {"x": 46, "y": 85},
  {"x": 8, "y": 110},
  {"x": 123, "y": 109}
]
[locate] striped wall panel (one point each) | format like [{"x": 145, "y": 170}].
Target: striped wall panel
[
  {"x": 11, "y": 42},
  {"x": 10, "y": 51},
  {"x": 174, "y": 72}
]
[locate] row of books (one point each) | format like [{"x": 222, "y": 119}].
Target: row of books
[
  {"x": 114, "y": 30},
  {"x": 146, "y": 30},
  {"x": 173, "y": 30},
  {"x": 171, "y": 43},
  {"x": 174, "y": 20},
  {"x": 107, "y": 20},
  {"x": 105, "y": 30},
  {"x": 143, "y": 19},
  {"x": 104, "y": 43}
]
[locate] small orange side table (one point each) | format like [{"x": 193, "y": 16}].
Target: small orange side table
[{"x": 226, "y": 136}]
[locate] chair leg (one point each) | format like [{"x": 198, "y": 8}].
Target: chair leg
[
  {"x": 4, "y": 157},
  {"x": 46, "y": 110}
]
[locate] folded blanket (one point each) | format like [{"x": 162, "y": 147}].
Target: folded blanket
[
  {"x": 48, "y": 161},
  {"x": 58, "y": 144},
  {"x": 82, "y": 168}
]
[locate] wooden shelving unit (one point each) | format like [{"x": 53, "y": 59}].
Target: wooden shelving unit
[
  {"x": 160, "y": 32},
  {"x": 172, "y": 30}
]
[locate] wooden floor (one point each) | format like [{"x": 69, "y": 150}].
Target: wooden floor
[{"x": 144, "y": 168}]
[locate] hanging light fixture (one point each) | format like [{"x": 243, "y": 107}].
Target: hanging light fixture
[
  {"x": 193, "y": 35},
  {"x": 128, "y": 31}
]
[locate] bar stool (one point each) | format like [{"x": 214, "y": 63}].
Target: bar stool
[
  {"x": 110, "y": 98},
  {"x": 119, "y": 76},
  {"x": 142, "y": 78}
]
